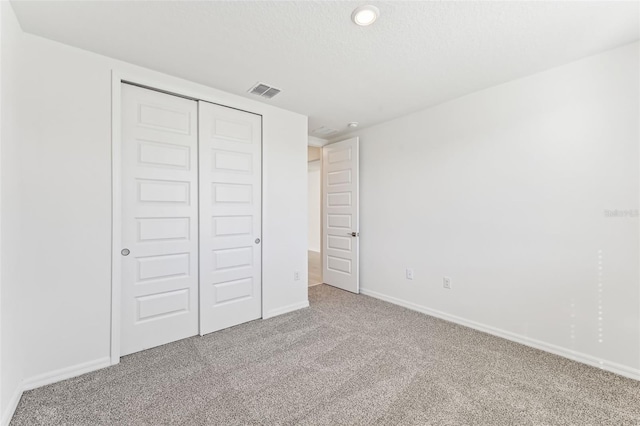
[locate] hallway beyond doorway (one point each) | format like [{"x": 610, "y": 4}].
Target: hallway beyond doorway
[{"x": 315, "y": 268}]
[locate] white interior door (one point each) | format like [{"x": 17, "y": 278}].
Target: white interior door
[
  {"x": 340, "y": 220},
  {"x": 159, "y": 219},
  {"x": 230, "y": 217}
]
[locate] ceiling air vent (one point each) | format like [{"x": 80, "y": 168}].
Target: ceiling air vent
[
  {"x": 324, "y": 131},
  {"x": 264, "y": 90}
]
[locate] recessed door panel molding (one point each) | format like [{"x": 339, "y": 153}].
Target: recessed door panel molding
[
  {"x": 159, "y": 117},
  {"x": 241, "y": 130},
  {"x": 163, "y": 266},
  {"x": 232, "y": 162},
  {"x": 232, "y": 226},
  {"x": 340, "y": 221},
  {"x": 339, "y": 177},
  {"x": 339, "y": 264},
  {"x": 159, "y": 214},
  {"x": 163, "y": 191},
  {"x": 152, "y": 229},
  {"x": 231, "y": 291},
  {"x": 232, "y": 258},
  {"x": 339, "y": 199},
  {"x": 343, "y": 156},
  {"x": 163, "y": 304},
  {"x": 339, "y": 242},
  {"x": 233, "y": 193},
  {"x": 161, "y": 154},
  {"x": 230, "y": 170}
]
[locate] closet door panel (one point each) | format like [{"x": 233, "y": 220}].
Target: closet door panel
[
  {"x": 230, "y": 167},
  {"x": 159, "y": 219}
]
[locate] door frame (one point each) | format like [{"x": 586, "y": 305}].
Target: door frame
[
  {"x": 172, "y": 86},
  {"x": 318, "y": 143}
]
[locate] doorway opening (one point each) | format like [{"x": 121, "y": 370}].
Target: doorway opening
[
  {"x": 334, "y": 224},
  {"x": 315, "y": 216}
]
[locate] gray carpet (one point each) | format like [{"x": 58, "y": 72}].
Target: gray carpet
[{"x": 346, "y": 360}]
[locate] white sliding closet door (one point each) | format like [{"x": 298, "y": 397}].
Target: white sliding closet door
[
  {"x": 159, "y": 219},
  {"x": 230, "y": 217}
]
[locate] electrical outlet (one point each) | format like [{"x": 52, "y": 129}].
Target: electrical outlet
[
  {"x": 296, "y": 276},
  {"x": 409, "y": 273},
  {"x": 446, "y": 283}
]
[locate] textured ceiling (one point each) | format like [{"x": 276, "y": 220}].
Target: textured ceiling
[{"x": 416, "y": 55}]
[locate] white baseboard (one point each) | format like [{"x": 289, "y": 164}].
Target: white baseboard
[
  {"x": 65, "y": 373},
  {"x": 47, "y": 379},
  {"x": 286, "y": 309},
  {"x": 613, "y": 367},
  {"x": 11, "y": 407}
]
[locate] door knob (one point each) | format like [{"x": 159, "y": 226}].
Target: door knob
[
  {"x": 125, "y": 252},
  {"x": 354, "y": 234},
  {"x": 257, "y": 240}
]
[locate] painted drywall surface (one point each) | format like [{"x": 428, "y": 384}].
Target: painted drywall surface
[
  {"x": 418, "y": 54},
  {"x": 507, "y": 192},
  {"x": 285, "y": 211},
  {"x": 314, "y": 184},
  {"x": 66, "y": 203},
  {"x": 10, "y": 222}
]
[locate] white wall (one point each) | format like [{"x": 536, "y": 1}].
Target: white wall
[
  {"x": 10, "y": 221},
  {"x": 64, "y": 246},
  {"x": 314, "y": 205},
  {"x": 505, "y": 191}
]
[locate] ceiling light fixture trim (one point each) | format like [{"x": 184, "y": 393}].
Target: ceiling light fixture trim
[{"x": 365, "y": 15}]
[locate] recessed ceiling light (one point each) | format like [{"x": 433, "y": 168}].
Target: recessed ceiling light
[{"x": 365, "y": 15}]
